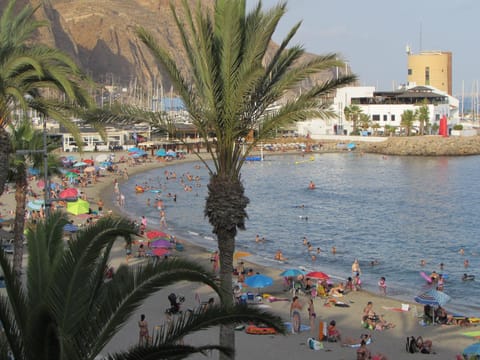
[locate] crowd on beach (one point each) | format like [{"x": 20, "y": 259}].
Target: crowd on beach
[{"x": 306, "y": 293}]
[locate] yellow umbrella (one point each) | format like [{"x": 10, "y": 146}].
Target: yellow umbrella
[
  {"x": 240, "y": 254},
  {"x": 78, "y": 207}
]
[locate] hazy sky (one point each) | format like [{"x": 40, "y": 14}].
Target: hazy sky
[{"x": 372, "y": 35}]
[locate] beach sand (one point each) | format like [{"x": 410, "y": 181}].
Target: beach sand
[{"x": 448, "y": 341}]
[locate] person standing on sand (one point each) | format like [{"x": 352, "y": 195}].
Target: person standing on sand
[
  {"x": 295, "y": 308},
  {"x": 143, "y": 333},
  {"x": 214, "y": 259}
]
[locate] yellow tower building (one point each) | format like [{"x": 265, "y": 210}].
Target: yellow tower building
[{"x": 431, "y": 68}]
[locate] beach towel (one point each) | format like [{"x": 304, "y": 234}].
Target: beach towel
[
  {"x": 322, "y": 330},
  {"x": 288, "y": 326},
  {"x": 369, "y": 341},
  {"x": 472, "y": 333}
]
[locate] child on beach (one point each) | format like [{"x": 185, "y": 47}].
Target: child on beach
[{"x": 382, "y": 285}]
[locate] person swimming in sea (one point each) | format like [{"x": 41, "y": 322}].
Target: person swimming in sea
[
  {"x": 311, "y": 186},
  {"x": 279, "y": 256}
]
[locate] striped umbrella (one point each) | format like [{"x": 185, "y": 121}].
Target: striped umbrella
[{"x": 432, "y": 297}]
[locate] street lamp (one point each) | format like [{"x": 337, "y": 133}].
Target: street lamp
[{"x": 44, "y": 151}]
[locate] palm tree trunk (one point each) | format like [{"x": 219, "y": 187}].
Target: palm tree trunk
[
  {"x": 5, "y": 150},
  {"x": 225, "y": 209},
  {"x": 226, "y": 247},
  {"x": 20, "y": 198}
]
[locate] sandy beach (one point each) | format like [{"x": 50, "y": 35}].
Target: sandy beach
[{"x": 448, "y": 341}]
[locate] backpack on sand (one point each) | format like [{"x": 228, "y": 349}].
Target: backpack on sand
[{"x": 411, "y": 345}]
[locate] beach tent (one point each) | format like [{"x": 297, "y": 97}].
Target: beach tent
[{"x": 78, "y": 207}]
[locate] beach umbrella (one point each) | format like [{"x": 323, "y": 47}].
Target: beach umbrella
[
  {"x": 292, "y": 273},
  {"x": 160, "y": 152},
  {"x": 161, "y": 243},
  {"x": 78, "y": 207},
  {"x": 258, "y": 281},
  {"x": 71, "y": 175},
  {"x": 134, "y": 149},
  {"x": 171, "y": 153},
  {"x": 34, "y": 205},
  {"x": 88, "y": 161},
  {"x": 160, "y": 252},
  {"x": 473, "y": 349},
  {"x": 156, "y": 234},
  {"x": 317, "y": 275},
  {"x": 89, "y": 169},
  {"x": 432, "y": 297},
  {"x": 80, "y": 164},
  {"x": 240, "y": 254},
  {"x": 71, "y": 228},
  {"x": 68, "y": 193}
]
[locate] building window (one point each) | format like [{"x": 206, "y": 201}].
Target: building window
[
  {"x": 392, "y": 117},
  {"x": 376, "y": 117},
  {"x": 385, "y": 117},
  {"x": 427, "y": 75},
  {"x": 410, "y": 72}
]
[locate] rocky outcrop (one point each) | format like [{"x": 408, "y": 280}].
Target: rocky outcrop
[{"x": 100, "y": 36}]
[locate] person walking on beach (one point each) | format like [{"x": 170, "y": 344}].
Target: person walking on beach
[
  {"x": 143, "y": 333},
  {"x": 295, "y": 308},
  {"x": 312, "y": 315}
]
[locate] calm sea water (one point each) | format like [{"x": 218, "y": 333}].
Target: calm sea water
[{"x": 395, "y": 210}]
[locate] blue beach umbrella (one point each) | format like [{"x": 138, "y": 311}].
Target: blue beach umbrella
[
  {"x": 432, "y": 297},
  {"x": 473, "y": 349},
  {"x": 259, "y": 281},
  {"x": 160, "y": 152},
  {"x": 292, "y": 273}
]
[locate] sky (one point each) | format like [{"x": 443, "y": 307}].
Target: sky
[{"x": 372, "y": 35}]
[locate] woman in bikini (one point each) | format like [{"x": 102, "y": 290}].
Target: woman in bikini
[
  {"x": 143, "y": 333},
  {"x": 295, "y": 308}
]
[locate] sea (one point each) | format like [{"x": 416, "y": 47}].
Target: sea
[{"x": 393, "y": 211}]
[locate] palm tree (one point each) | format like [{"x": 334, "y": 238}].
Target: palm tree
[
  {"x": 352, "y": 113},
  {"x": 408, "y": 118},
  {"x": 67, "y": 310},
  {"x": 229, "y": 87},
  {"x": 423, "y": 115},
  {"x": 364, "y": 121},
  {"x": 28, "y": 71}
]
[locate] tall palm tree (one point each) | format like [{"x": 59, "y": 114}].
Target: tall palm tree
[
  {"x": 352, "y": 113},
  {"x": 408, "y": 118},
  {"x": 66, "y": 309},
  {"x": 231, "y": 83},
  {"x": 28, "y": 73}
]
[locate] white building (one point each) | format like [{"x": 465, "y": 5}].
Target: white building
[{"x": 383, "y": 108}]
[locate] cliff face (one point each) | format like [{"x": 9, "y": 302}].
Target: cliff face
[{"x": 99, "y": 35}]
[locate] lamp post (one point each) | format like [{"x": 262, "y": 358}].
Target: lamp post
[{"x": 44, "y": 151}]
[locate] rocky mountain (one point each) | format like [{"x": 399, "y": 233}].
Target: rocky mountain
[{"x": 99, "y": 35}]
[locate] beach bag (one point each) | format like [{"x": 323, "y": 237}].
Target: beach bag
[
  {"x": 411, "y": 345},
  {"x": 314, "y": 344}
]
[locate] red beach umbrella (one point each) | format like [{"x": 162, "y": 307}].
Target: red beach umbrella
[
  {"x": 156, "y": 234},
  {"x": 160, "y": 252},
  {"x": 88, "y": 161},
  {"x": 68, "y": 193},
  {"x": 317, "y": 275}
]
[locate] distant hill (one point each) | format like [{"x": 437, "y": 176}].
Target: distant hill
[{"x": 99, "y": 35}]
